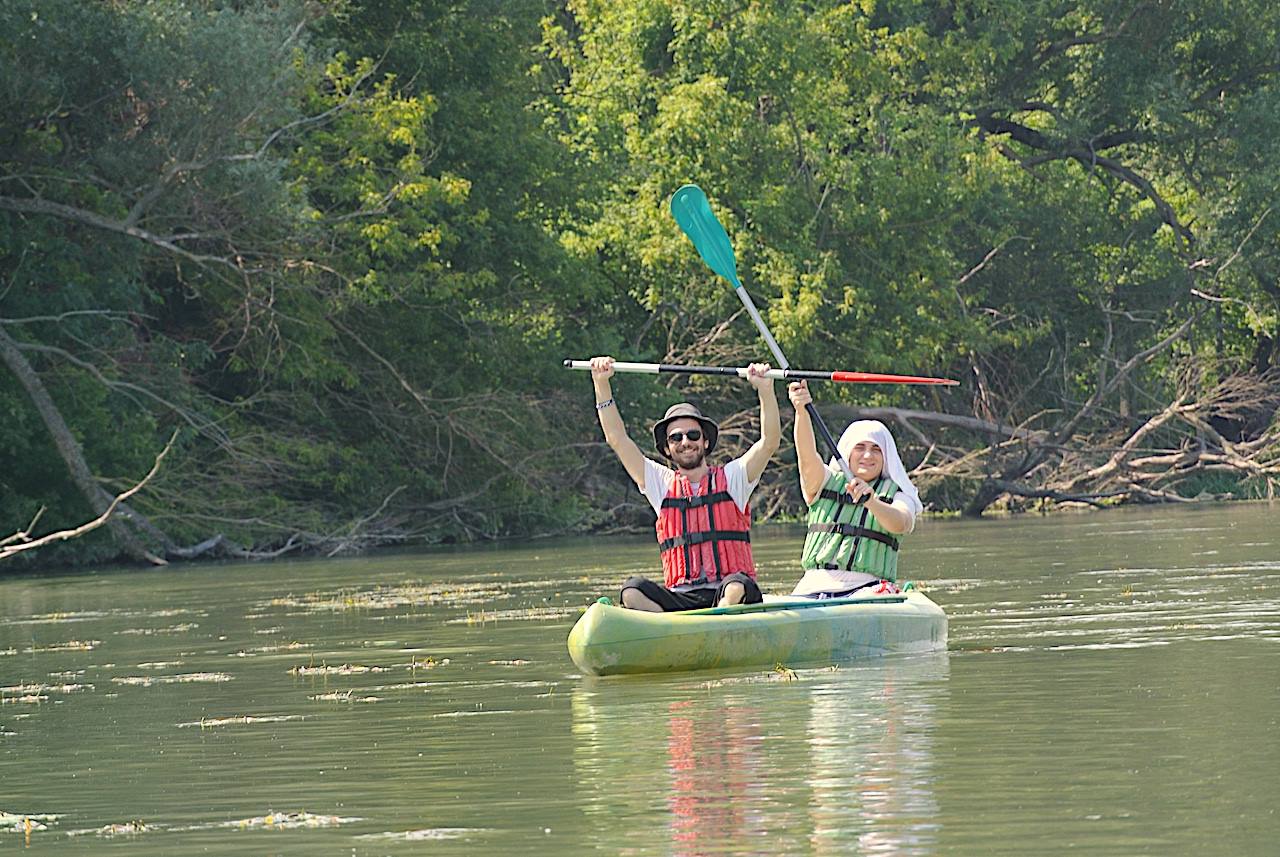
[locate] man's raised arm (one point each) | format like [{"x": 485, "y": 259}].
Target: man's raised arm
[
  {"x": 615, "y": 433},
  {"x": 770, "y": 425}
]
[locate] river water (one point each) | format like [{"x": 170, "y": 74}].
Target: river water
[{"x": 1112, "y": 686}]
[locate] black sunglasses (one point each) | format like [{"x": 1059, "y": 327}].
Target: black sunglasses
[{"x": 677, "y": 436}]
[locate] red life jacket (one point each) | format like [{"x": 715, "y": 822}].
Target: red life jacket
[{"x": 704, "y": 538}]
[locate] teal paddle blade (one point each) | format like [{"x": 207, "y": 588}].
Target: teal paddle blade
[{"x": 693, "y": 212}]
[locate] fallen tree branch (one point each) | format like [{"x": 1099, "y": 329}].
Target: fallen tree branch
[
  {"x": 23, "y": 535},
  {"x": 1050, "y": 494},
  {"x": 68, "y": 447},
  {"x": 11, "y": 549},
  {"x": 1114, "y": 463}
]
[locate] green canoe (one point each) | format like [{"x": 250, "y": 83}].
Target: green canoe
[{"x": 608, "y": 640}]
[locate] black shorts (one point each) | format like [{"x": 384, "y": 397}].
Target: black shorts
[{"x": 673, "y": 600}]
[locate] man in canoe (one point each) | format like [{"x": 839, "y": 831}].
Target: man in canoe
[
  {"x": 704, "y": 522},
  {"x": 855, "y": 529}
]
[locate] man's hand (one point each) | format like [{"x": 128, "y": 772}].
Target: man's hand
[
  {"x": 756, "y": 375},
  {"x": 601, "y": 368}
]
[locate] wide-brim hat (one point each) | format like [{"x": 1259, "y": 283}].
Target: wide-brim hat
[{"x": 709, "y": 429}]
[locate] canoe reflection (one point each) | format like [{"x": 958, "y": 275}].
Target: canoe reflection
[
  {"x": 714, "y": 758},
  {"x": 871, "y": 751},
  {"x": 824, "y": 762}
]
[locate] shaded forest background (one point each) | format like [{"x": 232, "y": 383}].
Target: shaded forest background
[{"x": 302, "y": 273}]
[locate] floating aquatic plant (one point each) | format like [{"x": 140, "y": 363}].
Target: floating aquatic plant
[
  {"x": 390, "y": 597},
  {"x": 148, "y": 632},
  {"x": 784, "y": 672},
  {"x": 241, "y": 720},
  {"x": 522, "y": 613},
  {"x": 342, "y": 669},
  {"x": 24, "y": 689},
  {"x": 128, "y": 828},
  {"x": 68, "y": 646},
  {"x": 282, "y": 647},
  {"x": 406, "y": 685},
  {"x": 343, "y": 696},
  {"x": 427, "y": 663},
  {"x": 289, "y": 821},
  {"x": 25, "y": 822},
  {"x": 183, "y": 678},
  {"x": 425, "y": 834}
]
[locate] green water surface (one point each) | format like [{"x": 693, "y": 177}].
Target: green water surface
[{"x": 1112, "y": 686}]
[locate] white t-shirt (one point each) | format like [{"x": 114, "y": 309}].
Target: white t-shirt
[{"x": 658, "y": 479}]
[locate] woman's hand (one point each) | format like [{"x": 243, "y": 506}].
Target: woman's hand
[
  {"x": 798, "y": 392},
  {"x": 859, "y": 490}
]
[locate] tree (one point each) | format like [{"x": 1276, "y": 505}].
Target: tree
[
  {"x": 1028, "y": 195},
  {"x": 220, "y": 220}
]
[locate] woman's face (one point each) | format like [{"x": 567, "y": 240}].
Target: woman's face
[{"x": 867, "y": 460}]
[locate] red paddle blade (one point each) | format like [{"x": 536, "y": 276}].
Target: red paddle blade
[{"x": 873, "y": 378}]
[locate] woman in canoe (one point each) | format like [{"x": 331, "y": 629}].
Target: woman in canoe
[
  {"x": 704, "y": 521},
  {"x": 855, "y": 529}
]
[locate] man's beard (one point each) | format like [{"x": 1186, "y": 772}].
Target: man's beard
[{"x": 690, "y": 460}]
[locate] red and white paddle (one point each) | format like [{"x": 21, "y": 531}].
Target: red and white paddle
[{"x": 776, "y": 374}]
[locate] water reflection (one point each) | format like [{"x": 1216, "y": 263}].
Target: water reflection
[
  {"x": 871, "y": 748},
  {"x": 715, "y": 762},
  {"x": 833, "y": 761}
]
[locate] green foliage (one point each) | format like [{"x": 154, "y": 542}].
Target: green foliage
[
  {"x": 345, "y": 246},
  {"x": 840, "y": 141}
]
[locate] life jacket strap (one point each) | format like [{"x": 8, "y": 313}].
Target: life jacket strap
[
  {"x": 695, "y": 502},
  {"x": 840, "y": 497},
  {"x": 699, "y": 538},
  {"x": 853, "y": 531}
]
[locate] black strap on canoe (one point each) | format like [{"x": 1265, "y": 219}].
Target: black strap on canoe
[{"x": 831, "y": 566}]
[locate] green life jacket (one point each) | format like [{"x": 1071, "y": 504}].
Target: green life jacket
[{"x": 847, "y": 537}]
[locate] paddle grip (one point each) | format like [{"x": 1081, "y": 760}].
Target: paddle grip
[{"x": 835, "y": 450}]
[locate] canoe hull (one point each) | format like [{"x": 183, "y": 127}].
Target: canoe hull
[{"x": 610, "y": 640}]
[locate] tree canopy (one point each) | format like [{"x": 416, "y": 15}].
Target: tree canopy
[{"x": 337, "y": 251}]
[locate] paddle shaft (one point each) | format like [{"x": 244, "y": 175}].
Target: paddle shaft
[
  {"x": 810, "y": 408},
  {"x": 692, "y": 211},
  {"x": 775, "y": 374}
]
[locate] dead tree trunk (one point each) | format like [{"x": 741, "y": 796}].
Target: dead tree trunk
[{"x": 69, "y": 448}]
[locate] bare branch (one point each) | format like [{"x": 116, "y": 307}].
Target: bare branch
[
  {"x": 112, "y": 315},
  {"x": 987, "y": 258},
  {"x": 23, "y": 535},
  {"x": 8, "y": 550}
]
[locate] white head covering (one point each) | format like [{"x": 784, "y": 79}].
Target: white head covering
[{"x": 876, "y": 432}]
